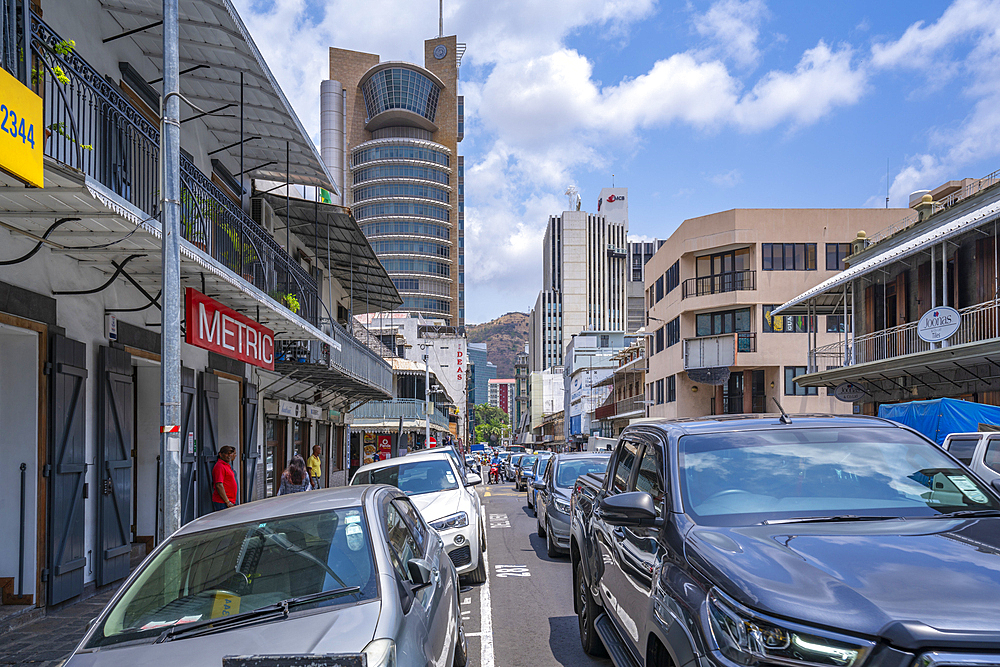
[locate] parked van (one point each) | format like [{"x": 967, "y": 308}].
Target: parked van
[{"x": 979, "y": 451}]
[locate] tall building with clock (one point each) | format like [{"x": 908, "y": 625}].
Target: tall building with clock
[{"x": 390, "y": 133}]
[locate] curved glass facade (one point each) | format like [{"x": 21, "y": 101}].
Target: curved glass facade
[
  {"x": 399, "y": 152},
  {"x": 400, "y": 190},
  {"x": 410, "y": 248},
  {"x": 400, "y": 88},
  {"x": 405, "y": 227},
  {"x": 425, "y": 304},
  {"x": 423, "y": 285},
  {"x": 416, "y": 266},
  {"x": 386, "y": 171},
  {"x": 382, "y": 209}
]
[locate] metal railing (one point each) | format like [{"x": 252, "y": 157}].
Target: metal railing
[
  {"x": 631, "y": 404},
  {"x": 746, "y": 341},
  {"x": 407, "y": 408},
  {"x": 733, "y": 281},
  {"x": 979, "y": 323},
  {"x": 91, "y": 126},
  {"x": 357, "y": 359}
]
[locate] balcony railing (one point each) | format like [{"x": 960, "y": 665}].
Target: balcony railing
[
  {"x": 91, "y": 126},
  {"x": 734, "y": 281},
  {"x": 630, "y": 405},
  {"x": 407, "y": 408},
  {"x": 979, "y": 322}
]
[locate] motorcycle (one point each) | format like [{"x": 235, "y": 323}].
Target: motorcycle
[{"x": 494, "y": 474}]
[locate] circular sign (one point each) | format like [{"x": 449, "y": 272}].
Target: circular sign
[
  {"x": 848, "y": 392},
  {"x": 440, "y": 51},
  {"x": 938, "y": 324}
]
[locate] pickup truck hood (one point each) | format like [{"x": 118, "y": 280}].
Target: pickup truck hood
[
  {"x": 344, "y": 630},
  {"x": 861, "y": 576}
]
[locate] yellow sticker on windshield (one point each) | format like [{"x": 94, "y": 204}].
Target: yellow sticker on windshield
[{"x": 226, "y": 604}]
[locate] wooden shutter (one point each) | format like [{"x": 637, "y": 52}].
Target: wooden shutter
[{"x": 115, "y": 441}]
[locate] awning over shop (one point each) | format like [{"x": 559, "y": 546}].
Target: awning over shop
[
  {"x": 331, "y": 232},
  {"x": 825, "y": 296},
  {"x": 216, "y": 48}
]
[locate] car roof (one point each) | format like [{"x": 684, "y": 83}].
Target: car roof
[
  {"x": 398, "y": 460},
  {"x": 279, "y": 506},
  {"x": 569, "y": 456},
  {"x": 435, "y": 450},
  {"x": 759, "y": 422}
]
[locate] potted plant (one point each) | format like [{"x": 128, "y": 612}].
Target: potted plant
[
  {"x": 289, "y": 301},
  {"x": 243, "y": 252}
]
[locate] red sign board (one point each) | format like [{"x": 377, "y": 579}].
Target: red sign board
[
  {"x": 213, "y": 326},
  {"x": 385, "y": 446}
]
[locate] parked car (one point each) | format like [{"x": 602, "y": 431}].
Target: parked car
[
  {"x": 554, "y": 491},
  {"x": 510, "y": 465},
  {"x": 978, "y": 451},
  {"x": 797, "y": 541},
  {"x": 537, "y": 470},
  {"x": 522, "y": 471},
  {"x": 436, "y": 488},
  {"x": 353, "y": 570}
]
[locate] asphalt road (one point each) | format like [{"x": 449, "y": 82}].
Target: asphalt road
[{"x": 524, "y": 614}]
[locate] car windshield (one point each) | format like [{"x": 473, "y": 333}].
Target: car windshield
[
  {"x": 413, "y": 479},
  {"x": 243, "y": 567},
  {"x": 753, "y": 476},
  {"x": 515, "y": 460},
  {"x": 503, "y": 455},
  {"x": 543, "y": 463},
  {"x": 567, "y": 471},
  {"x": 527, "y": 461}
]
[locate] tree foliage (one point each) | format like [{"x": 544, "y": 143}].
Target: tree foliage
[{"x": 491, "y": 421}]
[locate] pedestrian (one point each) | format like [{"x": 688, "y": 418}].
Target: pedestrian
[
  {"x": 315, "y": 466},
  {"x": 225, "y": 491},
  {"x": 295, "y": 478}
]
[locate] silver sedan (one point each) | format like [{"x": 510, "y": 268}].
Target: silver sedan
[{"x": 353, "y": 570}]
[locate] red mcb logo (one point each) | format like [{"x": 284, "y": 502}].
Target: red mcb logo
[{"x": 613, "y": 198}]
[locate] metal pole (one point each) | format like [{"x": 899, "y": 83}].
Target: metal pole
[
  {"x": 20, "y": 546},
  {"x": 288, "y": 216},
  {"x": 944, "y": 280},
  {"x": 427, "y": 388},
  {"x": 241, "y": 140},
  {"x": 170, "y": 338},
  {"x": 25, "y": 68}
]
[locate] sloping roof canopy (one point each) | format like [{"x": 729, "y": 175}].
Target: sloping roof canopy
[
  {"x": 330, "y": 231},
  {"x": 213, "y": 36},
  {"x": 826, "y": 300}
]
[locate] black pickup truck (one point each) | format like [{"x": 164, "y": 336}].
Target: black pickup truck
[{"x": 798, "y": 541}]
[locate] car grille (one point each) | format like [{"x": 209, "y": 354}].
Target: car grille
[
  {"x": 461, "y": 556},
  {"x": 947, "y": 659}
]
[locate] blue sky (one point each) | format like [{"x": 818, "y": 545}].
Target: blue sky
[{"x": 695, "y": 106}]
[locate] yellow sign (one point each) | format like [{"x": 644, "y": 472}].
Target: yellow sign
[
  {"x": 21, "y": 132},
  {"x": 225, "y": 605}
]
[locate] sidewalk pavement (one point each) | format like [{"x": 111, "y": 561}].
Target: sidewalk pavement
[{"x": 48, "y": 641}]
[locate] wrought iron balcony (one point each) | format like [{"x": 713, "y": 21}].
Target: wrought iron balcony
[
  {"x": 91, "y": 126},
  {"x": 733, "y": 281},
  {"x": 407, "y": 408}
]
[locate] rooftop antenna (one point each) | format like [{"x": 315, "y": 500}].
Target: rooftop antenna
[
  {"x": 784, "y": 418},
  {"x": 440, "y": 18},
  {"x": 612, "y": 180},
  {"x": 887, "y": 182}
]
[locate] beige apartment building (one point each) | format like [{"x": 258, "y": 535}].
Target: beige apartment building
[{"x": 712, "y": 345}]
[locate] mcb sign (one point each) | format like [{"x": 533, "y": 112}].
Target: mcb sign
[{"x": 213, "y": 326}]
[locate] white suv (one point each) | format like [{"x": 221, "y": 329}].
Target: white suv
[{"x": 438, "y": 490}]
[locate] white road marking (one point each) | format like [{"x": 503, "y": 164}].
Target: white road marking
[
  {"x": 512, "y": 571},
  {"x": 467, "y": 601},
  {"x": 473, "y": 634},
  {"x": 499, "y": 521},
  {"x": 486, "y": 621}
]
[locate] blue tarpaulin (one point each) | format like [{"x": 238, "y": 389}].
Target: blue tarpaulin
[{"x": 939, "y": 417}]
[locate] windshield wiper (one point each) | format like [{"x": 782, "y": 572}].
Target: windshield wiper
[
  {"x": 830, "y": 519},
  {"x": 964, "y": 513},
  {"x": 236, "y": 620}
]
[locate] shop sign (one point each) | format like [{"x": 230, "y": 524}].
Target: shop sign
[
  {"x": 289, "y": 409},
  {"x": 314, "y": 412},
  {"x": 333, "y": 415},
  {"x": 213, "y": 326},
  {"x": 458, "y": 363},
  {"x": 22, "y": 136},
  {"x": 384, "y": 446},
  {"x": 938, "y": 324},
  {"x": 848, "y": 392}
]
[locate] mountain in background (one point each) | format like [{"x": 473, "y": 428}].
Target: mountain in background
[{"x": 504, "y": 337}]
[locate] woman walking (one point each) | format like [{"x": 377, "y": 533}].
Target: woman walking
[{"x": 294, "y": 479}]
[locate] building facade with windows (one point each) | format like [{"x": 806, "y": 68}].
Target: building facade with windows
[
  {"x": 941, "y": 254},
  {"x": 639, "y": 252},
  {"x": 501, "y": 392},
  {"x": 584, "y": 278},
  {"x": 391, "y": 130},
  {"x": 590, "y": 360},
  {"x": 712, "y": 345}
]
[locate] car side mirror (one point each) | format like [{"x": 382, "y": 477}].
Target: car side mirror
[
  {"x": 473, "y": 480},
  {"x": 538, "y": 485},
  {"x": 635, "y": 508},
  {"x": 420, "y": 572}
]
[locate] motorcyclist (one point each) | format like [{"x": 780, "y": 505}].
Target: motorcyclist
[{"x": 494, "y": 466}]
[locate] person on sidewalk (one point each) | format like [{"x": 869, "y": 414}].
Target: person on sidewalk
[
  {"x": 295, "y": 478},
  {"x": 225, "y": 491},
  {"x": 315, "y": 466}
]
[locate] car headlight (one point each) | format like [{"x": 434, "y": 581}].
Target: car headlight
[
  {"x": 457, "y": 520},
  {"x": 748, "y": 639},
  {"x": 381, "y": 653},
  {"x": 561, "y": 505}
]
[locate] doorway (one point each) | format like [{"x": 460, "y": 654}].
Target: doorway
[
  {"x": 274, "y": 454},
  {"x": 300, "y": 439},
  {"x": 146, "y": 449},
  {"x": 229, "y": 423}
]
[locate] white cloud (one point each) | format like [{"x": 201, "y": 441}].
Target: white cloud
[
  {"x": 733, "y": 27},
  {"x": 727, "y": 180}
]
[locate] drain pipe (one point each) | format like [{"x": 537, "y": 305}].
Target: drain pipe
[{"x": 20, "y": 547}]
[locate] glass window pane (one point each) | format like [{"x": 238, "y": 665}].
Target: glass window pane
[
  {"x": 703, "y": 325},
  {"x": 810, "y": 257},
  {"x": 742, "y": 260},
  {"x": 765, "y": 256},
  {"x": 800, "y": 257},
  {"x": 727, "y": 262},
  {"x": 717, "y": 323},
  {"x": 743, "y": 319},
  {"x": 717, "y": 264},
  {"x": 703, "y": 266},
  {"x": 623, "y": 467}
]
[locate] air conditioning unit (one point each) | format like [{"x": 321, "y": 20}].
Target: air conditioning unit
[{"x": 262, "y": 214}]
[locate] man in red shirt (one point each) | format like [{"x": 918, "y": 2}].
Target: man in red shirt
[{"x": 225, "y": 492}]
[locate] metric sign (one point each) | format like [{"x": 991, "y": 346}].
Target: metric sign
[{"x": 21, "y": 133}]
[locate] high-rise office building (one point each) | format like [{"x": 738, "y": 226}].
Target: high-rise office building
[
  {"x": 639, "y": 252},
  {"x": 484, "y": 372},
  {"x": 584, "y": 273},
  {"x": 390, "y": 134}
]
